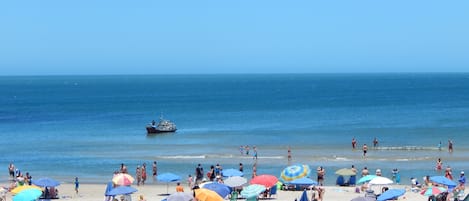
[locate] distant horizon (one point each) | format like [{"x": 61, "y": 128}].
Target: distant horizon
[{"x": 266, "y": 73}]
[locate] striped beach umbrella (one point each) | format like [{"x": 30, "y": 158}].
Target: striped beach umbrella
[
  {"x": 24, "y": 187},
  {"x": 293, "y": 172},
  {"x": 122, "y": 179}
]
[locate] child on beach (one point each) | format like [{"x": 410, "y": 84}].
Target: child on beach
[
  {"x": 77, "y": 184},
  {"x": 190, "y": 181}
]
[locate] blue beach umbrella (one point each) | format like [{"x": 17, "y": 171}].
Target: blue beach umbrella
[
  {"x": 252, "y": 190},
  {"x": 122, "y": 190},
  {"x": 303, "y": 181},
  {"x": 28, "y": 195},
  {"x": 231, "y": 172},
  {"x": 45, "y": 182},
  {"x": 221, "y": 189},
  {"x": 293, "y": 172},
  {"x": 443, "y": 180},
  {"x": 168, "y": 177},
  {"x": 390, "y": 194}
]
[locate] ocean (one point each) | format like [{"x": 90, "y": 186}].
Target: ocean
[{"x": 86, "y": 126}]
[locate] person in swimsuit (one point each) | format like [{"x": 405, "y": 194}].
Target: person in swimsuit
[
  {"x": 439, "y": 165},
  {"x": 365, "y": 149}
]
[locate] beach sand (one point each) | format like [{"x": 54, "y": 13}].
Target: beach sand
[{"x": 151, "y": 192}]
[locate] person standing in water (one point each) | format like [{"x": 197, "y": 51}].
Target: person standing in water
[
  {"x": 365, "y": 149},
  {"x": 354, "y": 143}
]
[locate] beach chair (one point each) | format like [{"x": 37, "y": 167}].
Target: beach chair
[
  {"x": 340, "y": 181},
  {"x": 352, "y": 180},
  {"x": 234, "y": 196},
  {"x": 252, "y": 199},
  {"x": 273, "y": 191}
]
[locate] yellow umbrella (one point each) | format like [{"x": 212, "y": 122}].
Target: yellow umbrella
[
  {"x": 202, "y": 194},
  {"x": 24, "y": 187}
]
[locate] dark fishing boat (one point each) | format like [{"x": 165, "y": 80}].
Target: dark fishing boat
[{"x": 163, "y": 126}]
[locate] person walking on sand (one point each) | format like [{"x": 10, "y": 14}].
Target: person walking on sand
[
  {"x": 77, "y": 185},
  {"x": 365, "y": 149},
  {"x": 190, "y": 181}
]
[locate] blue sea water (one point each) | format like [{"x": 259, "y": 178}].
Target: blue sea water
[{"x": 85, "y": 126}]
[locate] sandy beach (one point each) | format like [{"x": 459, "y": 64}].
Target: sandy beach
[{"x": 151, "y": 192}]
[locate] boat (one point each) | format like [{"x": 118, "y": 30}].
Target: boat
[{"x": 163, "y": 126}]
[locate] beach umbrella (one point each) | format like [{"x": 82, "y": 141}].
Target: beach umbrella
[
  {"x": 366, "y": 178},
  {"x": 432, "y": 191},
  {"x": 45, "y": 182},
  {"x": 28, "y": 195},
  {"x": 222, "y": 189},
  {"x": 265, "y": 179},
  {"x": 123, "y": 179},
  {"x": 168, "y": 177},
  {"x": 304, "y": 196},
  {"x": 345, "y": 172},
  {"x": 390, "y": 194},
  {"x": 235, "y": 181},
  {"x": 363, "y": 199},
  {"x": 180, "y": 196},
  {"x": 378, "y": 180},
  {"x": 231, "y": 172},
  {"x": 18, "y": 189},
  {"x": 252, "y": 190},
  {"x": 443, "y": 180},
  {"x": 203, "y": 194},
  {"x": 295, "y": 172},
  {"x": 122, "y": 190},
  {"x": 303, "y": 181}
]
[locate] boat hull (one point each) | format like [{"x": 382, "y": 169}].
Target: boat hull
[{"x": 153, "y": 130}]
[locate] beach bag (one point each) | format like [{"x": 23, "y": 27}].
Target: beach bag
[{"x": 209, "y": 174}]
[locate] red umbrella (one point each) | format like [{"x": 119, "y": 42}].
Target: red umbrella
[{"x": 265, "y": 180}]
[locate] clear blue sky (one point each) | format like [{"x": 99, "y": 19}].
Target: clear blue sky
[{"x": 50, "y": 37}]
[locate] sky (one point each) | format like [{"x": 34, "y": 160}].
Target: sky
[{"x": 79, "y": 37}]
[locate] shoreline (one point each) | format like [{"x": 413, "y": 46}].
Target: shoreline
[{"x": 151, "y": 192}]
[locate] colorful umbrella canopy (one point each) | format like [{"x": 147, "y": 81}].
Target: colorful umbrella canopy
[
  {"x": 122, "y": 190},
  {"x": 231, "y": 172},
  {"x": 28, "y": 195},
  {"x": 235, "y": 181},
  {"x": 123, "y": 179},
  {"x": 24, "y": 187},
  {"x": 443, "y": 180},
  {"x": 265, "y": 179},
  {"x": 390, "y": 194},
  {"x": 180, "y": 196},
  {"x": 366, "y": 178},
  {"x": 378, "y": 180},
  {"x": 345, "y": 172},
  {"x": 203, "y": 194},
  {"x": 303, "y": 181},
  {"x": 295, "y": 172},
  {"x": 45, "y": 182},
  {"x": 432, "y": 191},
  {"x": 222, "y": 189},
  {"x": 252, "y": 190}
]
